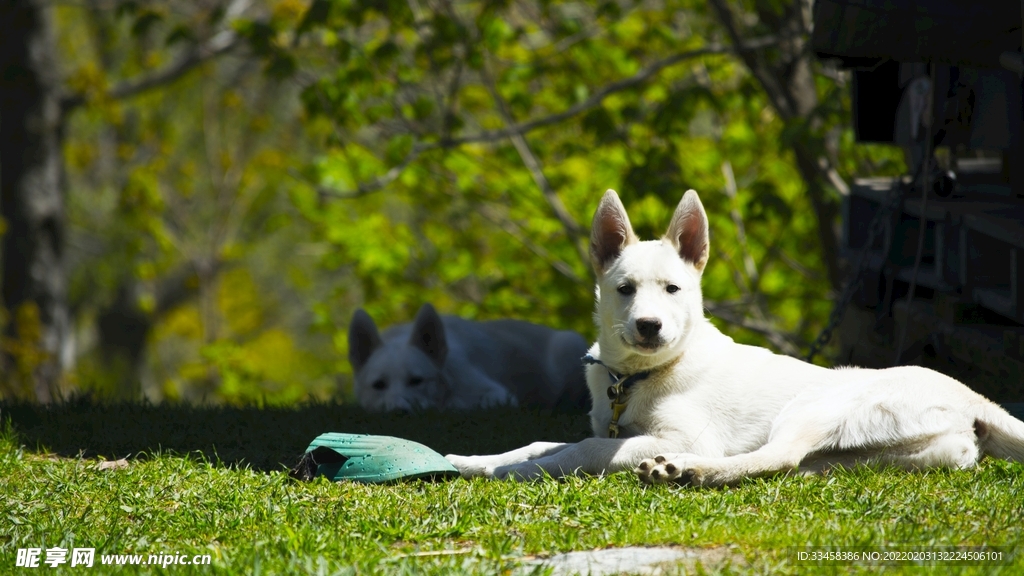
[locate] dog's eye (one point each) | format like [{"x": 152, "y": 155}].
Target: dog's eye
[
  {"x": 415, "y": 381},
  {"x": 626, "y": 290},
  {"x": 380, "y": 385},
  {"x": 672, "y": 288}
]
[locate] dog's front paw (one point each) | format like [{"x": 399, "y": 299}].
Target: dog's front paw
[
  {"x": 670, "y": 468},
  {"x": 470, "y": 466}
]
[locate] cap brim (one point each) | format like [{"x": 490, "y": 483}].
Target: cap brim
[{"x": 375, "y": 459}]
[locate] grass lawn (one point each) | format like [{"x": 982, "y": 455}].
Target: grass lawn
[{"x": 212, "y": 481}]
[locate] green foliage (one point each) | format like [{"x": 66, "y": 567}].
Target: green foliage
[{"x": 423, "y": 199}]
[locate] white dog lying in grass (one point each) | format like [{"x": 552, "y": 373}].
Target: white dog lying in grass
[
  {"x": 691, "y": 406},
  {"x": 449, "y": 362}
]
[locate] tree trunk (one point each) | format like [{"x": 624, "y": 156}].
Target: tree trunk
[
  {"x": 31, "y": 196},
  {"x": 124, "y": 327}
]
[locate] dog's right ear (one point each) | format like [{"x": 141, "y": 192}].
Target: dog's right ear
[
  {"x": 610, "y": 232},
  {"x": 428, "y": 334},
  {"x": 363, "y": 339}
]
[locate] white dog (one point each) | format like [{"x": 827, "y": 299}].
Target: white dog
[
  {"x": 449, "y": 362},
  {"x": 692, "y": 406}
]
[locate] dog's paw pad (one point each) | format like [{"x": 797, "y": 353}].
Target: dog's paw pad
[
  {"x": 686, "y": 477},
  {"x": 660, "y": 459},
  {"x": 652, "y": 473},
  {"x": 675, "y": 471}
]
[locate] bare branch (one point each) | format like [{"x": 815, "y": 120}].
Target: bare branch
[
  {"x": 364, "y": 188},
  {"x": 601, "y": 95},
  {"x": 741, "y": 230},
  {"x": 757, "y": 66},
  {"x": 757, "y": 318},
  {"x": 572, "y": 228},
  {"x": 734, "y": 270},
  {"x": 796, "y": 264},
  {"x": 779, "y": 339},
  {"x": 515, "y": 231},
  {"x": 221, "y": 43},
  {"x": 833, "y": 176},
  {"x": 525, "y": 127}
]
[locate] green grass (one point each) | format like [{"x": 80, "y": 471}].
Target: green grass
[{"x": 224, "y": 493}]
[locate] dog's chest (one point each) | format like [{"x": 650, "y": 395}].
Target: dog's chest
[{"x": 634, "y": 419}]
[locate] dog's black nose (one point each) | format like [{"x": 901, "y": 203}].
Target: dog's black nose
[{"x": 648, "y": 327}]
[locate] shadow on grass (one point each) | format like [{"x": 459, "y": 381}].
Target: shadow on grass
[{"x": 268, "y": 438}]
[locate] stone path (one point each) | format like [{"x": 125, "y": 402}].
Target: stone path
[{"x": 636, "y": 560}]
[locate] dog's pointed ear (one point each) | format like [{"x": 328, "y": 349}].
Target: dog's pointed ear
[
  {"x": 688, "y": 231},
  {"x": 610, "y": 232},
  {"x": 428, "y": 334},
  {"x": 363, "y": 339}
]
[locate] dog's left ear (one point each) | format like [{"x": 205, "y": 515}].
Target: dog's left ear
[
  {"x": 428, "y": 334},
  {"x": 688, "y": 231},
  {"x": 363, "y": 339}
]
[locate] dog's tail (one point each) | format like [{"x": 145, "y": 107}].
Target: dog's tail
[{"x": 999, "y": 434}]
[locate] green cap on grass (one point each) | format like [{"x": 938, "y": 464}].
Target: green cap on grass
[{"x": 370, "y": 459}]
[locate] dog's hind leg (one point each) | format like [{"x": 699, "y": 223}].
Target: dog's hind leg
[
  {"x": 811, "y": 423},
  {"x": 784, "y": 452},
  {"x": 865, "y": 423}
]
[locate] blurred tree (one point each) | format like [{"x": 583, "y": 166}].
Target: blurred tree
[
  {"x": 35, "y": 105},
  {"x": 36, "y": 333},
  {"x": 120, "y": 64},
  {"x": 172, "y": 181},
  {"x": 179, "y": 210}
]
